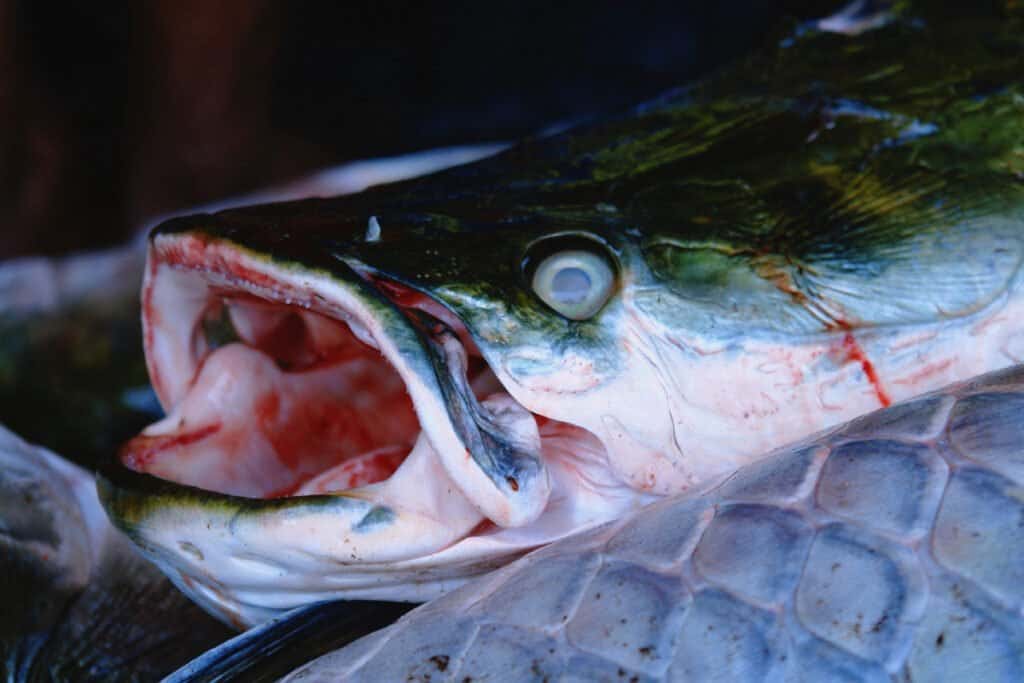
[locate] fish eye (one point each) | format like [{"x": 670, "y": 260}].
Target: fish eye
[{"x": 574, "y": 282}]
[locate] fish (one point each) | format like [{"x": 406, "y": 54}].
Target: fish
[
  {"x": 887, "y": 548},
  {"x": 385, "y": 395},
  {"x": 79, "y": 602}
]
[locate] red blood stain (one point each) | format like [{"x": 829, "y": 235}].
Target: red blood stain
[
  {"x": 484, "y": 527},
  {"x": 200, "y": 252},
  {"x": 286, "y": 344},
  {"x": 359, "y": 471},
  {"x": 854, "y": 353},
  {"x": 313, "y": 431},
  {"x": 267, "y": 409},
  {"x": 368, "y": 469},
  {"x": 927, "y": 371},
  {"x": 399, "y": 293},
  {"x": 140, "y": 452},
  {"x": 152, "y": 317}
]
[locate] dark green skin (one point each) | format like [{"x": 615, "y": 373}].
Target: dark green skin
[{"x": 825, "y": 156}]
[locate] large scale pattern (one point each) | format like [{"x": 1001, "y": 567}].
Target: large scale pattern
[{"x": 891, "y": 548}]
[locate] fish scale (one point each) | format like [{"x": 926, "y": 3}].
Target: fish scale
[{"x": 890, "y": 548}]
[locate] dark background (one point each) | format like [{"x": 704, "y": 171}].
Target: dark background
[{"x": 111, "y": 113}]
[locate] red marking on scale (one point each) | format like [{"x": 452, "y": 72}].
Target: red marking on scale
[
  {"x": 855, "y": 353},
  {"x": 911, "y": 340}
]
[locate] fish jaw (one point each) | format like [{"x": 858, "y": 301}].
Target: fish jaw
[
  {"x": 357, "y": 460},
  {"x": 189, "y": 267}
]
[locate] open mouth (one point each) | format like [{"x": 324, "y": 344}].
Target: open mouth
[
  {"x": 282, "y": 401},
  {"x": 282, "y": 383}
]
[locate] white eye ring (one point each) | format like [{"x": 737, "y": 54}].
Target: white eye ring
[{"x": 575, "y": 283}]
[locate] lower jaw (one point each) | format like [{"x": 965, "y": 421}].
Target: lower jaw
[
  {"x": 246, "y": 561},
  {"x": 432, "y": 523}
]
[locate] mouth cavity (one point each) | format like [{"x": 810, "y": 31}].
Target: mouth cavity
[
  {"x": 274, "y": 387},
  {"x": 282, "y": 401}
]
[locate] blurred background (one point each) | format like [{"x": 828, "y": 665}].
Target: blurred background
[{"x": 111, "y": 113}]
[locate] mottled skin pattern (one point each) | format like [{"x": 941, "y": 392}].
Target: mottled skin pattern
[{"x": 890, "y": 548}]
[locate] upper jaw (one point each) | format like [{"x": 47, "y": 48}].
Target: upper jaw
[{"x": 407, "y": 538}]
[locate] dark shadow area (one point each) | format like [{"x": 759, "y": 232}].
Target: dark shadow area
[{"x": 111, "y": 114}]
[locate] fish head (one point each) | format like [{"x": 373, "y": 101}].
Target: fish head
[{"x": 376, "y": 402}]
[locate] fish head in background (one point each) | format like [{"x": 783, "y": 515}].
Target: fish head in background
[{"x": 381, "y": 396}]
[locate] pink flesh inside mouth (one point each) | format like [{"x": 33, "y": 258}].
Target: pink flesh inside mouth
[
  {"x": 296, "y": 402},
  {"x": 296, "y": 398}
]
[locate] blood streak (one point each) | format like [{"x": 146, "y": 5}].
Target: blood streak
[
  {"x": 142, "y": 450},
  {"x": 854, "y": 353},
  {"x": 926, "y": 372},
  {"x": 398, "y": 293},
  {"x": 152, "y": 316},
  {"x": 313, "y": 432}
]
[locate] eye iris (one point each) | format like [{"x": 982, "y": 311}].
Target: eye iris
[
  {"x": 571, "y": 285},
  {"x": 576, "y": 283}
]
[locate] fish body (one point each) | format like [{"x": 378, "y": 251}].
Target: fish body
[
  {"x": 79, "y": 603},
  {"x": 381, "y": 396},
  {"x": 887, "y": 549}
]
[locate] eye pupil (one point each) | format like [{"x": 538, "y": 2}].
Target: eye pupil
[{"x": 571, "y": 285}]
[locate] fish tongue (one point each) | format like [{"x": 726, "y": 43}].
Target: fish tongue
[
  {"x": 500, "y": 438},
  {"x": 207, "y": 440}
]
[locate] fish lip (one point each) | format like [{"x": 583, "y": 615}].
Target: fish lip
[
  {"x": 512, "y": 495},
  {"x": 128, "y": 496}
]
